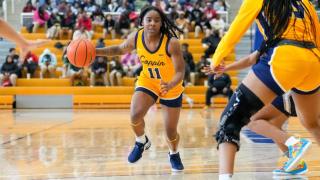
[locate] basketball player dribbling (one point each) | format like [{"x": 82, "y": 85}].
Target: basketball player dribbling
[{"x": 159, "y": 51}]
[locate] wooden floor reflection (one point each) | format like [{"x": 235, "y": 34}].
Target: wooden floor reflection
[{"x": 94, "y": 144}]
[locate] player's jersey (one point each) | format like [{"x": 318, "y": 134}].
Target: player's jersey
[
  {"x": 251, "y": 10},
  {"x": 156, "y": 65}
]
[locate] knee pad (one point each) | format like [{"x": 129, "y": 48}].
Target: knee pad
[{"x": 242, "y": 105}]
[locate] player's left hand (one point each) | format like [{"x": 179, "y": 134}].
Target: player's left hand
[{"x": 164, "y": 87}]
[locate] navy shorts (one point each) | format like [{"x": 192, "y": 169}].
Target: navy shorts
[
  {"x": 174, "y": 103},
  {"x": 285, "y": 104}
]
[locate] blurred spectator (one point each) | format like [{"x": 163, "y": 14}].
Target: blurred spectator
[
  {"x": 211, "y": 43},
  {"x": 47, "y": 63},
  {"x": 109, "y": 27},
  {"x": 78, "y": 76},
  {"x": 123, "y": 25},
  {"x": 197, "y": 19},
  {"x": 190, "y": 76},
  {"x": 81, "y": 33},
  {"x": 218, "y": 24},
  {"x": 183, "y": 24},
  {"x": 200, "y": 65},
  {"x": 8, "y": 74},
  {"x": 100, "y": 43},
  {"x": 84, "y": 21},
  {"x": 40, "y": 18},
  {"x": 130, "y": 63},
  {"x": 97, "y": 17},
  {"x": 30, "y": 64},
  {"x": 54, "y": 31},
  {"x": 99, "y": 70},
  {"x": 29, "y": 7},
  {"x": 116, "y": 72},
  {"x": 221, "y": 85},
  {"x": 15, "y": 57},
  {"x": 67, "y": 23},
  {"x": 220, "y": 5},
  {"x": 113, "y": 6},
  {"x": 160, "y": 4}
]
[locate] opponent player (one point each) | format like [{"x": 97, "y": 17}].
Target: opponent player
[
  {"x": 163, "y": 71},
  {"x": 290, "y": 61},
  {"x": 272, "y": 117}
]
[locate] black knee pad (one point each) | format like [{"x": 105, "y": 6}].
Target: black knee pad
[{"x": 242, "y": 105}]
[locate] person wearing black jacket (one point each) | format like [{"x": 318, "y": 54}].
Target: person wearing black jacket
[
  {"x": 221, "y": 85},
  {"x": 99, "y": 69},
  {"x": 9, "y": 71}
]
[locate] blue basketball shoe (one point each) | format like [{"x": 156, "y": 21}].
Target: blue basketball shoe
[
  {"x": 175, "y": 160},
  {"x": 137, "y": 151}
]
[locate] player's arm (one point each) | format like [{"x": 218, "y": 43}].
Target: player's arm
[
  {"x": 178, "y": 63},
  {"x": 246, "y": 15},
  {"x": 7, "y": 32},
  {"x": 243, "y": 62},
  {"x": 127, "y": 46}
]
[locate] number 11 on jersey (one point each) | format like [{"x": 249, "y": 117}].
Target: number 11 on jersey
[{"x": 154, "y": 73}]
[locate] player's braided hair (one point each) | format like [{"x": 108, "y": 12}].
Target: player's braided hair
[
  {"x": 278, "y": 14},
  {"x": 167, "y": 27}
]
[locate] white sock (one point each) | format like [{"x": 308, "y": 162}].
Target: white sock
[
  {"x": 141, "y": 139},
  {"x": 173, "y": 152},
  {"x": 291, "y": 141},
  {"x": 225, "y": 176}
]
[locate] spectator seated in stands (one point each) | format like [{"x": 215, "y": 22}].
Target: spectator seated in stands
[
  {"x": 8, "y": 73},
  {"x": 67, "y": 23},
  {"x": 30, "y": 65},
  {"x": 183, "y": 24},
  {"x": 78, "y": 76},
  {"x": 221, "y": 85},
  {"x": 218, "y": 24},
  {"x": 54, "y": 31},
  {"x": 85, "y": 22},
  {"x": 130, "y": 63},
  {"x": 15, "y": 58},
  {"x": 99, "y": 70},
  {"x": 190, "y": 76},
  {"x": 40, "y": 18},
  {"x": 199, "y": 66},
  {"x": 28, "y": 7},
  {"x": 211, "y": 42},
  {"x": 123, "y": 25},
  {"x": 116, "y": 72},
  {"x": 47, "y": 63},
  {"x": 109, "y": 27},
  {"x": 81, "y": 33},
  {"x": 100, "y": 43}
]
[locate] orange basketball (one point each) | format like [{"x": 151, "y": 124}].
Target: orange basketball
[{"x": 81, "y": 52}]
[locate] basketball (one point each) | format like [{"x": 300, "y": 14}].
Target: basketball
[{"x": 81, "y": 52}]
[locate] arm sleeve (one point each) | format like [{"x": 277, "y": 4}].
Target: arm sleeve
[{"x": 246, "y": 15}]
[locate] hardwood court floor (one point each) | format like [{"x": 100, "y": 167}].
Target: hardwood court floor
[{"x": 94, "y": 144}]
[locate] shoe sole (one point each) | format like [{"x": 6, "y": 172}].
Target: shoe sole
[
  {"x": 288, "y": 174},
  {"x": 290, "y": 177},
  {"x": 146, "y": 147},
  {"x": 298, "y": 158}
]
